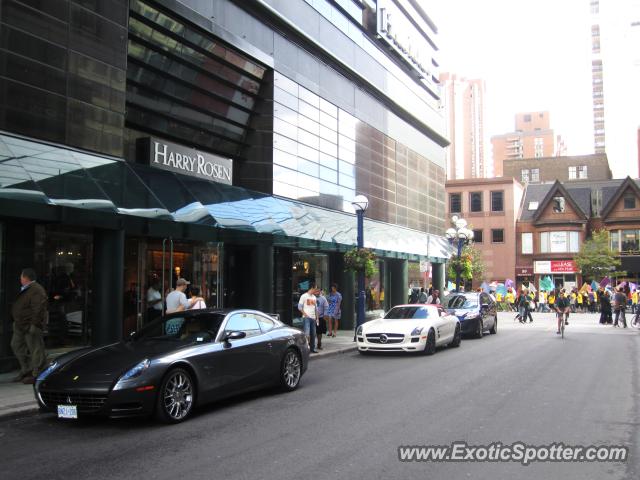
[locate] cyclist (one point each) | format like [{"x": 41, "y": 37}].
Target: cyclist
[{"x": 562, "y": 306}]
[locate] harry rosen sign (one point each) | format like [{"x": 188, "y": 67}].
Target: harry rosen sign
[{"x": 181, "y": 159}]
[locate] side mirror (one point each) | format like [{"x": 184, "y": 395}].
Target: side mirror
[{"x": 232, "y": 336}]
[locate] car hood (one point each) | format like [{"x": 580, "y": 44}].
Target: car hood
[
  {"x": 109, "y": 362},
  {"x": 387, "y": 325}
]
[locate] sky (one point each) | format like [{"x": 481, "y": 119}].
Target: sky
[{"x": 533, "y": 56}]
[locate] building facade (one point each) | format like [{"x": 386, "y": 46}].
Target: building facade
[
  {"x": 147, "y": 140},
  {"x": 463, "y": 104},
  {"x": 533, "y": 138},
  {"x": 556, "y": 218},
  {"x": 491, "y": 208},
  {"x": 549, "y": 169}
]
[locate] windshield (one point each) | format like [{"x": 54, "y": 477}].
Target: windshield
[
  {"x": 187, "y": 328},
  {"x": 408, "y": 312},
  {"x": 461, "y": 302}
]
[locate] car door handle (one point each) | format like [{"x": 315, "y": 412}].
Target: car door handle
[{"x": 269, "y": 345}]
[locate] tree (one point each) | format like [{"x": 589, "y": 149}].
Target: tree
[
  {"x": 470, "y": 263},
  {"x": 596, "y": 259}
]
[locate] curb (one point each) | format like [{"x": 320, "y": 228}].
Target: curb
[
  {"x": 18, "y": 412},
  {"x": 335, "y": 352}
]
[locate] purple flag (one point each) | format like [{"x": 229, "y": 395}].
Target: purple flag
[
  {"x": 508, "y": 283},
  {"x": 633, "y": 286},
  {"x": 605, "y": 281}
]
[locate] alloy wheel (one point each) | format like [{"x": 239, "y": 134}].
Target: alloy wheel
[
  {"x": 177, "y": 395},
  {"x": 291, "y": 370}
]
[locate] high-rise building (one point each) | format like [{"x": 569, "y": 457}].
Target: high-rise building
[
  {"x": 615, "y": 66},
  {"x": 533, "y": 138},
  {"x": 463, "y": 103}
]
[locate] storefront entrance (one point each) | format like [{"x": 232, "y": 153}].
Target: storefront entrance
[{"x": 152, "y": 267}]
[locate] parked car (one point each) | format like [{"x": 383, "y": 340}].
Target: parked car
[
  {"x": 477, "y": 312},
  {"x": 409, "y": 328},
  {"x": 174, "y": 364}
]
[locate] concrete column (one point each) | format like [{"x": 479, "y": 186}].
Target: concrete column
[
  {"x": 263, "y": 278},
  {"x": 437, "y": 274},
  {"x": 398, "y": 281},
  {"x": 108, "y": 288},
  {"x": 346, "y": 286}
]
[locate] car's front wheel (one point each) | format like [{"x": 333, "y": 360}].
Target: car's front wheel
[
  {"x": 290, "y": 370},
  {"x": 480, "y": 329},
  {"x": 430, "y": 345},
  {"x": 176, "y": 396},
  {"x": 457, "y": 337},
  {"x": 494, "y": 328}
]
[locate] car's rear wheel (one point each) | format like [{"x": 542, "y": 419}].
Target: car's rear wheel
[
  {"x": 457, "y": 337},
  {"x": 291, "y": 370},
  {"x": 480, "y": 329},
  {"x": 494, "y": 328},
  {"x": 176, "y": 396},
  {"x": 430, "y": 345}
]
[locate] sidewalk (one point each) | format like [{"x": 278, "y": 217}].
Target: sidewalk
[{"x": 17, "y": 399}]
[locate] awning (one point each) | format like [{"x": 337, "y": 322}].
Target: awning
[{"x": 49, "y": 175}]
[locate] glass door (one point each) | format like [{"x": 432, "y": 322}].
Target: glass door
[{"x": 207, "y": 273}]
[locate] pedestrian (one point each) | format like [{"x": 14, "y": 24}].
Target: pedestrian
[
  {"x": 307, "y": 307},
  {"x": 198, "y": 303},
  {"x": 413, "y": 294},
  {"x": 605, "y": 307},
  {"x": 510, "y": 298},
  {"x": 422, "y": 297},
  {"x": 634, "y": 300},
  {"x": 333, "y": 310},
  {"x": 434, "y": 298},
  {"x": 154, "y": 301},
  {"x": 29, "y": 314},
  {"x": 620, "y": 306},
  {"x": 177, "y": 299},
  {"x": 562, "y": 307},
  {"x": 322, "y": 307}
]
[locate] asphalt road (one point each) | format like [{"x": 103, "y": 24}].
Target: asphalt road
[{"x": 352, "y": 412}]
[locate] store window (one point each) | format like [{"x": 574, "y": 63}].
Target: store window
[
  {"x": 308, "y": 268},
  {"x": 630, "y": 240},
  {"x": 63, "y": 262},
  {"x": 374, "y": 292},
  {"x": 559, "y": 242}
]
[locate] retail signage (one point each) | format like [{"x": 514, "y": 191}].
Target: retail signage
[
  {"x": 524, "y": 271},
  {"x": 555, "y": 266},
  {"x": 397, "y": 31},
  {"x": 181, "y": 159}
]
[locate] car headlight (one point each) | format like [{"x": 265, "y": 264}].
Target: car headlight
[
  {"x": 133, "y": 373},
  {"x": 359, "y": 331},
  {"x": 417, "y": 331},
  {"x": 470, "y": 315},
  {"x": 45, "y": 373}
]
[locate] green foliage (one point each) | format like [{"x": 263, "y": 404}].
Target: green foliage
[
  {"x": 361, "y": 259},
  {"x": 596, "y": 259},
  {"x": 470, "y": 263}
]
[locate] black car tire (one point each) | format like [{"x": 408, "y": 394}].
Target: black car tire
[
  {"x": 480, "y": 329},
  {"x": 430, "y": 344},
  {"x": 290, "y": 370},
  {"x": 457, "y": 337},
  {"x": 177, "y": 384},
  {"x": 494, "y": 328}
]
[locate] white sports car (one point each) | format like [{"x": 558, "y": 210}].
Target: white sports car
[{"x": 409, "y": 328}]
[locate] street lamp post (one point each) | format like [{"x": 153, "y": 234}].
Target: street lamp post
[
  {"x": 459, "y": 235},
  {"x": 360, "y": 204}
]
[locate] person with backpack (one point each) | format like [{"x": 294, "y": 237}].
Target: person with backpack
[{"x": 620, "y": 306}]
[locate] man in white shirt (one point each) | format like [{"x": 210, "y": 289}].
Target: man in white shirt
[
  {"x": 154, "y": 301},
  {"x": 307, "y": 307},
  {"x": 177, "y": 300}
]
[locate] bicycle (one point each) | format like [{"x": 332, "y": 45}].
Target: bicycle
[{"x": 562, "y": 316}]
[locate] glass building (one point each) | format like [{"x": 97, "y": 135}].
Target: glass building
[{"x": 146, "y": 140}]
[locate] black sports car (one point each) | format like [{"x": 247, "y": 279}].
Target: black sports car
[{"x": 175, "y": 363}]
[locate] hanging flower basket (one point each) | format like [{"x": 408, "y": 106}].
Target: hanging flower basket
[{"x": 361, "y": 259}]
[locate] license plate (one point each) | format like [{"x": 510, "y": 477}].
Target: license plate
[{"x": 67, "y": 411}]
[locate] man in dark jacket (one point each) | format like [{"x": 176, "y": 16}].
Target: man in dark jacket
[
  {"x": 620, "y": 302},
  {"x": 29, "y": 313}
]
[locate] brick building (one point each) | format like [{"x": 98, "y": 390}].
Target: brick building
[
  {"x": 556, "y": 218},
  {"x": 491, "y": 207}
]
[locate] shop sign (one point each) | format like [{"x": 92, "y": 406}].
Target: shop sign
[
  {"x": 180, "y": 159},
  {"x": 397, "y": 31},
  {"x": 524, "y": 271},
  {"x": 555, "y": 266}
]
